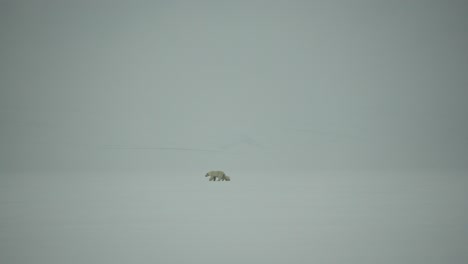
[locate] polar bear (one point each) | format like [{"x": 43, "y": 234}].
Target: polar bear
[{"x": 220, "y": 175}]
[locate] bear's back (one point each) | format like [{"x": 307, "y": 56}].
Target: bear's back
[{"x": 217, "y": 173}]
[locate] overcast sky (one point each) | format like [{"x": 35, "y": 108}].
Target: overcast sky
[
  {"x": 237, "y": 85},
  {"x": 111, "y": 113}
]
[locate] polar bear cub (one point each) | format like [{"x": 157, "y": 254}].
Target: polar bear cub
[{"x": 220, "y": 175}]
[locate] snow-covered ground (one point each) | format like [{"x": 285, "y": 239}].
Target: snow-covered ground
[
  {"x": 320, "y": 217},
  {"x": 324, "y": 113}
]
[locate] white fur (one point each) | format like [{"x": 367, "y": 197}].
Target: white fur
[{"x": 219, "y": 175}]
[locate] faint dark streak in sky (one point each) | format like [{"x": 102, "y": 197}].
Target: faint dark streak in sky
[
  {"x": 157, "y": 148},
  {"x": 329, "y": 134}
]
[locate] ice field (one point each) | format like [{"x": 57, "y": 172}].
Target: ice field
[
  {"x": 327, "y": 217},
  {"x": 342, "y": 124}
]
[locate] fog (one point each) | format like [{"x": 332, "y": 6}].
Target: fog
[{"x": 342, "y": 125}]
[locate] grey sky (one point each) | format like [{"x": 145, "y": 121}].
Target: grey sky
[
  {"x": 342, "y": 124},
  {"x": 316, "y": 84}
]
